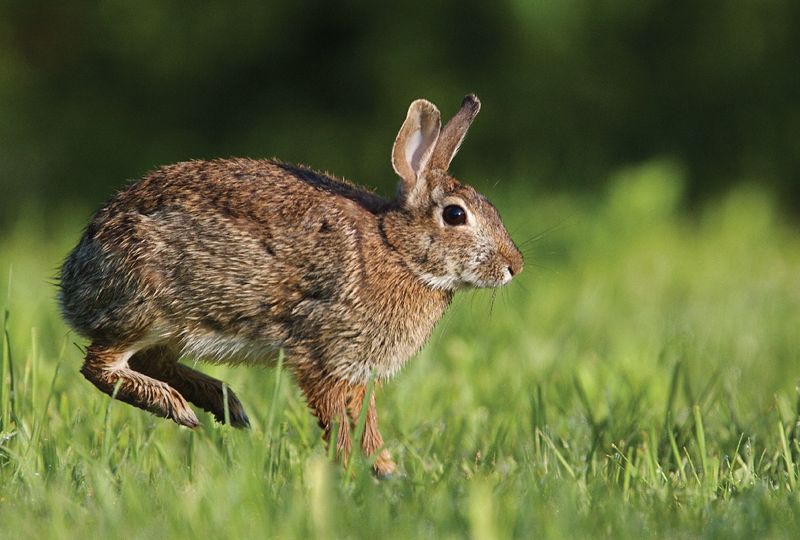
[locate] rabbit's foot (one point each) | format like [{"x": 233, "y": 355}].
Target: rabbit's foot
[
  {"x": 238, "y": 418},
  {"x": 161, "y": 362},
  {"x": 179, "y": 411},
  {"x": 108, "y": 370},
  {"x": 206, "y": 392},
  {"x": 384, "y": 467}
]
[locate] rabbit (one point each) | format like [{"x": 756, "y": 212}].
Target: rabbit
[{"x": 230, "y": 260}]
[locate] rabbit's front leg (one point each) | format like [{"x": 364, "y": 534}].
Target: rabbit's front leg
[
  {"x": 327, "y": 397},
  {"x": 371, "y": 440},
  {"x": 335, "y": 401}
]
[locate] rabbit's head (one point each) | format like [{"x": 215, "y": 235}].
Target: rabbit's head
[{"x": 447, "y": 233}]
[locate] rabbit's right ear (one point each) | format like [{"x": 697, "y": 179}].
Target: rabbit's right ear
[{"x": 413, "y": 148}]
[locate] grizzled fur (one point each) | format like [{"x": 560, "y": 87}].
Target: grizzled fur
[{"x": 230, "y": 260}]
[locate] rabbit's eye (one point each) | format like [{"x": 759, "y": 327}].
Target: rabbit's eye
[{"x": 454, "y": 215}]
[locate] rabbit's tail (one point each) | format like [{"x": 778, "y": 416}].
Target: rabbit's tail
[{"x": 102, "y": 295}]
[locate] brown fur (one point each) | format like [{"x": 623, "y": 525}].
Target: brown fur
[{"x": 230, "y": 260}]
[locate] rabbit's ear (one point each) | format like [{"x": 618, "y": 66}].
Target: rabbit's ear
[
  {"x": 454, "y": 132},
  {"x": 413, "y": 147}
]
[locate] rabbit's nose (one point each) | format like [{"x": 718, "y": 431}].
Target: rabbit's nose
[{"x": 515, "y": 263}]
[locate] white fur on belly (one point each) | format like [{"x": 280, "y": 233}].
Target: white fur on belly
[{"x": 223, "y": 348}]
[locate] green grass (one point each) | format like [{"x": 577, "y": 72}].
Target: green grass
[{"x": 638, "y": 379}]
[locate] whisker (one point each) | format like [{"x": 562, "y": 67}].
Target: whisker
[
  {"x": 542, "y": 267},
  {"x": 528, "y": 252},
  {"x": 444, "y": 327},
  {"x": 518, "y": 283},
  {"x": 505, "y": 295},
  {"x": 472, "y": 300},
  {"x": 512, "y": 231},
  {"x": 558, "y": 226}
]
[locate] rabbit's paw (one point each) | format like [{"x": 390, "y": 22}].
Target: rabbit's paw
[{"x": 384, "y": 468}]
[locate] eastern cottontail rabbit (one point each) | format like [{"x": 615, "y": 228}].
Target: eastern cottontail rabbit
[{"x": 230, "y": 260}]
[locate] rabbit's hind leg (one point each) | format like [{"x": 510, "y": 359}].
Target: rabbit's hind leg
[
  {"x": 371, "y": 440},
  {"x": 107, "y": 368},
  {"x": 161, "y": 362}
]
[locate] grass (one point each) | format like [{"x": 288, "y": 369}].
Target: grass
[{"x": 638, "y": 379}]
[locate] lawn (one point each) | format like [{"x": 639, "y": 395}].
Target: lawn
[{"x": 638, "y": 379}]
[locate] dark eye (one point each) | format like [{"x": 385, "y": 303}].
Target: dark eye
[{"x": 454, "y": 215}]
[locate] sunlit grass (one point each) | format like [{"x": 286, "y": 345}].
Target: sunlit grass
[{"x": 639, "y": 378}]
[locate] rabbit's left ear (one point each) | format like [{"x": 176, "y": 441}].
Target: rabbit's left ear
[
  {"x": 413, "y": 148},
  {"x": 454, "y": 132}
]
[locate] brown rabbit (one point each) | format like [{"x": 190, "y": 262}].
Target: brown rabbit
[{"x": 230, "y": 260}]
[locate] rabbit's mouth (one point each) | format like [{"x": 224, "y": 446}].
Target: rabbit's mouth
[
  {"x": 508, "y": 275},
  {"x": 497, "y": 278},
  {"x": 468, "y": 279}
]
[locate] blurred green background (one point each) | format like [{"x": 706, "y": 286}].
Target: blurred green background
[{"x": 94, "y": 93}]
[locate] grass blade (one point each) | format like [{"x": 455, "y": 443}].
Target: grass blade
[
  {"x": 107, "y": 422},
  {"x": 3, "y": 391},
  {"x": 791, "y": 472},
  {"x": 361, "y": 425},
  {"x": 275, "y": 394},
  {"x": 225, "y": 406},
  {"x": 701, "y": 441}
]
